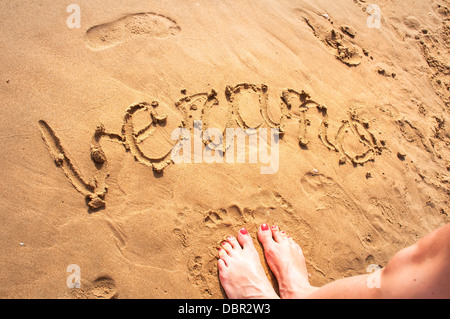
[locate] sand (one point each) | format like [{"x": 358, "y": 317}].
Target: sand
[{"x": 360, "y": 97}]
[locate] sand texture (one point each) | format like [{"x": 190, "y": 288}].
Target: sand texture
[{"x": 88, "y": 115}]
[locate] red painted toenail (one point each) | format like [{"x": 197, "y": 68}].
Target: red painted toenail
[
  {"x": 274, "y": 227},
  {"x": 244, "y": 231},
  {"x": 264, "y": 227}
]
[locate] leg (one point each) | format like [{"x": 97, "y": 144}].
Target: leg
[{"x": 419, "y": 271}]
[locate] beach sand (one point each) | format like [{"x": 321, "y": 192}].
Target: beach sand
[{"x": 90, "y": 103}]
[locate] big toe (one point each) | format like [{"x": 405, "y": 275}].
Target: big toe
[
  {"x": 244, "y": 239},
  {"x": 265, "y": 236}
]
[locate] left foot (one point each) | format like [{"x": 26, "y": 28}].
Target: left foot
[{"x": 240, "y": 271}]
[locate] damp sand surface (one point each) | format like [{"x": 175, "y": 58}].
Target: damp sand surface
[{"x": 359, "y": 97}]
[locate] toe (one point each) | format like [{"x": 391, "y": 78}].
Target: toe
[
  {"x": 223, "y": 255},
  {"x": 233, "y": 242},
  {"x": 228, "y": 248},
  {"x": 265, "y": 235},
  {"x": 269, "y": 244},
  {"x": 284, "y": 235},
  {"x": 277, "y": 234},
  {"x": 244, "y": 238},
  {"x": 291, "y": 241},
  {"x": 222, "y": 266},
  {"x": 294, "y": 244}
]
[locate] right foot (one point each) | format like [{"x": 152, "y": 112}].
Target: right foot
[{"x": 285, "y": 259}]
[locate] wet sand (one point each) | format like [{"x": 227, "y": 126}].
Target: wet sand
[{"x": 360, "y": 98}]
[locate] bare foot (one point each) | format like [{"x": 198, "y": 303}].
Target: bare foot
[
  {"x": 240, "y": 271},
  {"x": 286, "y": 260}
]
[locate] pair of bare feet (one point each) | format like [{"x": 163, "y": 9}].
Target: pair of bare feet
[{"x": 242, "y": 275}]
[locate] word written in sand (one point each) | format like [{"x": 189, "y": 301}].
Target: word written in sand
[
  {"x": 196, "y": 116},
  {"x": 220, "y": 148}
]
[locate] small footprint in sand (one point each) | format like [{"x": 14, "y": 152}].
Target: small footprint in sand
[
  {"x": 338, "y": 41},
  {"x": 202, "y": 235},
  {"x": 100, "y": 288},
  {"x": 131, "y": 26}
]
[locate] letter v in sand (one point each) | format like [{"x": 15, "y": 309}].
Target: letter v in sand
[{"x": 94, "y": 189}]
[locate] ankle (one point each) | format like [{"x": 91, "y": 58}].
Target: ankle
[{"x": 298, "y": 293}]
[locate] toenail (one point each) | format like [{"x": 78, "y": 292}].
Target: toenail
[
  {"x": 226, "y": 245},
  {"x": 243, "y": 231},
  {"x": 274, "y": 227},
  {"x": 264, "y": 227}
]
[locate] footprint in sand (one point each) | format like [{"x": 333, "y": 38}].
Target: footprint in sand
[
  {"x": 338, "y": 212},
  {"x": 338, "y": 41},
  {"x": 131, "y": 26},
  {"x": 202, "y": 236},
  {"x": 100, "y": 288}
]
